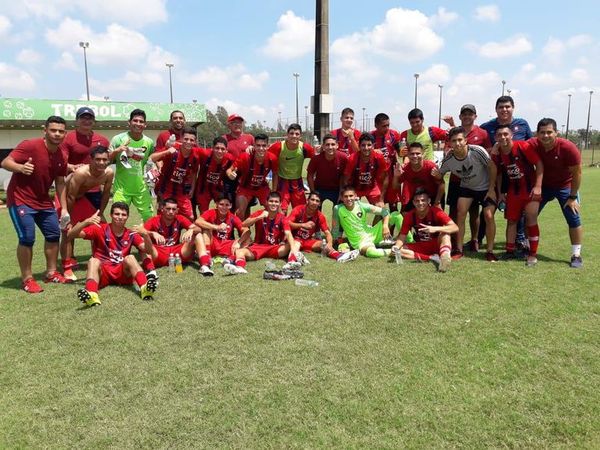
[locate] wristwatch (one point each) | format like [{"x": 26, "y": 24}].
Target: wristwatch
[{"x": 572, "y": 197}]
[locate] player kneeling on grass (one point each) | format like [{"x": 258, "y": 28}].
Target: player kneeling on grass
[
  {"x": 305, "y": 221},
  {"x": 431, "y": 229},
  {"x": 272, "y": 238},
  {"x": 111, "y": 261},
  {"x": 351, "y": 216},
  {"x": 218, "y": 225},
  {"x": 166, "y": 233}
]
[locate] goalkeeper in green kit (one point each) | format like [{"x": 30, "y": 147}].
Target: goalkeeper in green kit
[
  {"x": 351, "y": 216},
  {"x": 130, "y": 152}
]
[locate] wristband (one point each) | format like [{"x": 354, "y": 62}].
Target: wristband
[{"x": 385, "y": 212}]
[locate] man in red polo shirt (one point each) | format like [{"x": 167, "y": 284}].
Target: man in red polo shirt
[
  {"x": 366, "y": 171},
  {"x": 272, "y": 238},
  {"x": 516, "y": 161},
  {"x": 475, "y": 136},
  {"x": 326, "y": 170},
  {"x": 213, "y": 166},
  {"x": 291, "y": 154},
  {"x": 418, "y": 173},
  {"x": 76, "y": 147},
  {"x": 562, "y": 180},
  {"x": 36, "y": 164},
  {"x": 347, "y": 136},
  {"x": 251, "y": 170},
  {"x": 180, "y": 164}
]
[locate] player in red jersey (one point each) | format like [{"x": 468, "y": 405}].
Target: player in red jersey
[
  {"x": 305, "y": 221},
  {"x": 516, "y": 160},
  {"x": 386, "y": 141},
  {"x": 36, "y": 164},
  {"x": 168, "y": 235},
  {"x": 291, "y": 154},
  {"x": 431, "y": 229},
  {"x": 213, "y": 165},
  {"x": 84, "y": 198},
  {"x": 178, "y": 172},
  {"x": 177, "y": 121},
  {"x": 562, "y": 179},
  {"x": 237, "y": 141},
  {"x": 219, "y": 226},
  {"x": 112, "y": 261},
  {"x": 251, "y": 170},
  {"x": 475, "y": 136},
  {"x": 418, "y": 132},
  {"x": 347, "y": 136},
  {"x": 366, "y": 171},
  {"x": 417, "y": 173},
  {"x": 272, "y": 238},
  {"x": 325, "y": 171}
]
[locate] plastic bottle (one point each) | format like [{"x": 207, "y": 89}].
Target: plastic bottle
[
  {"x": 398, "y": 257},
  {"x": 171, "y": 262},
  {"x": 402, "y": 145},
  {"x": 270, "y": 266},
  {"x": 315, "y": 141},
  {"x": 323, "y": 248},
  {"x": 303, "y": 282},
  {"x": 178, "y": 265},
  {"x": 501, "y": 206}
]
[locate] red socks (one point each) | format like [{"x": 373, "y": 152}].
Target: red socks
[
  {"x": 205, "y": 260},
  {"x": 533, "y": 233},
  {"x": 91, "y": 285},
  {"x": 140, "y": 278}
]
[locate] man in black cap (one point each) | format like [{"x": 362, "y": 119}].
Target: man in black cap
[{"x": 76, "y": 148}]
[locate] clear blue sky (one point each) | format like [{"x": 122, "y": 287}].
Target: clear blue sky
[{"x": 241, "y": 54}]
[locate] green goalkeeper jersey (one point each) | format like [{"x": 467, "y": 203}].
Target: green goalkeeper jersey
[{"x": 131, "y": 180}]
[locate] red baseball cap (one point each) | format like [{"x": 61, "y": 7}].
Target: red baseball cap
[{"x": 233, "y": 117}]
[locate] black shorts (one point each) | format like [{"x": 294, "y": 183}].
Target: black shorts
[{"x": 479, "y": 197}]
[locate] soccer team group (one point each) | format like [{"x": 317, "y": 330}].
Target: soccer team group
[{"x": 500, "y": 165}]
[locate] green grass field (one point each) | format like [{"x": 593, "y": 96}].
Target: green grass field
[{"x": 378, "y": 356}]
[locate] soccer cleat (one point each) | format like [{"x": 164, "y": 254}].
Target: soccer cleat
[
  {"x": 302, "y": 259},
  {"x": 445, "y": 261},
  {"x": 456, "y": 254},
  {"x": 576, "y": 262},
  {"x": 435, "y": 258},
  {"x": 386, "y": 243},
  {"x": 291, "y": 265},
  {"x": 88, "y": 298},
  {"x": 30, "y": 286},
  {"x": 506, "y": 256},
  {"x": 205, "y": 271},
  {"x": 240, "y": 270},
  {"x": 124, "y": 160},
  {"x": 473, "y": 246},
  {"x": 56, "y": 277},
  {"x": 147, "y": 291},
  {"x": 69, "y": 275},
  {"x": 276, "y": 275},
  {"x": 531, "y": 261},
  {"x": 348, "y": 256},
  {"x": 489, "y": 256},
  {"x": 230, "y": 269},
  {"x": 293, "y": 273},
  {"x": 152, "y": 280}
]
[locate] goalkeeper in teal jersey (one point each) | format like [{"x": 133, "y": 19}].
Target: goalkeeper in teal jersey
[
  {"x": 351, "y": 216},
  {"x": 130, "y": 152}
]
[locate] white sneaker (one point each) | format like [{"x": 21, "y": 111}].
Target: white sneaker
[
  {"x": 125, "y": 160},
  {"x": 302, "y": 259},
  {"x": 230, "y": 269},
  {"x": 348, "y": 256},
  {"x": 291, "y": 265},
  {"x": 240, "y": 270},
  {"x": 206, "y": 272},
  {"x": 446, "y": 259}
]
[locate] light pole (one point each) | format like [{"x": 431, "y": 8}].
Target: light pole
[
  {"x": 306, "y": 118},
  {"x": 363, "y": 127},
  {"x": 279, "y": 121},
  {"x": 587, "y": 128},
  {"x": 562, "y": 130},
  {"x": 296, "y": 75},
  {"x": 170, "y": 66},
  {"x": 416, "y": 82},
  {"x": 440, "y": 110},
  {"x": 85, "y": 46},
  {"x": 508, "y": 91},
  {"x": 503, "y": 85},
  {"x": 568, "y": 117}
]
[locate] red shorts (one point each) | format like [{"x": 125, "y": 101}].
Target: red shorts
[
  {"x": 261, "y": 194},
  {"x": 291, "y": 191},
  {"x": 307, "y": 245},
  {"x": 113, "y": 274},
  {"x": 83, "y": 208},
  {"x": 426, "y": 248},
  {"x": 163, "y": 252},
  {"x": 184, "y": 203},
  {"x": 373, "y": 195},
  {"x": 515, "y": 207},
  {"x": 264, "y": 250},
  {"x": 220, "y": 248},
  {"x": 392, "y": 196},
  {"x": 203, "y": 200}
]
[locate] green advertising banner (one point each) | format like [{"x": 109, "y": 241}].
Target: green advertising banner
[{"x": 15, "y": 109}]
